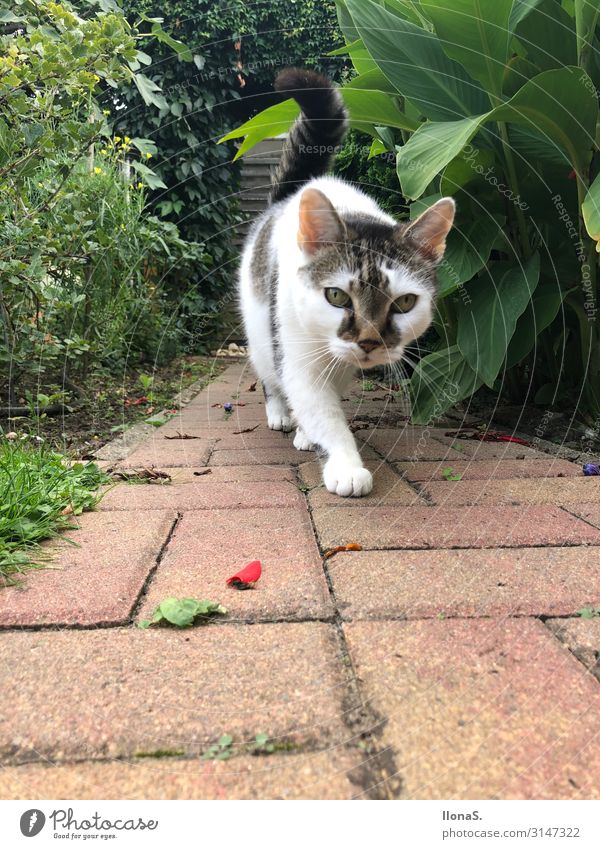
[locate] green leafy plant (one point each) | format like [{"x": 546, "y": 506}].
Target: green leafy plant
[
  {"x": 219, "y": 751},
  {"x": 495, "y": 103},
  {"x": 589, "y": 612},
  {"x": 40, "y": 492},
  {"x": 450, "y": 475},
  {"x": 183, "y": 612},
  {"x": 262, "y": 745}
]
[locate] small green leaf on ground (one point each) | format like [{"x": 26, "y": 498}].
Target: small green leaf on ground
[
  {"x": 263, "y": 745},
  {"x": 219, "y": 751},
  {"x": 182, "y": 612},
  {"x": 589, "y": 612},
  {"x": 451, "y": 475}
]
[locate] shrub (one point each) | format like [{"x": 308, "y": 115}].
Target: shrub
[{"x": 81, "y": 260}]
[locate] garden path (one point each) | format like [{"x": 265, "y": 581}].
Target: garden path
[{"x": 447, "y": 659}]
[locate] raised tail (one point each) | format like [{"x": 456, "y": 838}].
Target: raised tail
[{"x": 316, "y": 133}]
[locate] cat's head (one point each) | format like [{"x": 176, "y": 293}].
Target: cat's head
[{"x": 369, "y": 287}]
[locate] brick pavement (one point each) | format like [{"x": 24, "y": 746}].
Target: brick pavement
[{"x": 446, "y": 659}]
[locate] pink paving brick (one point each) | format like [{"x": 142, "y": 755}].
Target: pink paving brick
[
  {"x": 466, "y": 582},
  {"x": 538, "y": 491},
  {"x": 478, "y": 450},
  {"x": 74, "y": 695},
  {"x": 163, "y": 452},
  {"x": 206, "y": 549},
  {"x": 96, "y": 581},
  {"x": 480, "y": 709},
  {"x": 333, "y": 774},
  {"x": 202, "y": 493},
  {"x": 451, "y": 527},
  {"x": 589, "y": 512},
  {"x": 257, "y": 456},
  {"x": 550, "y": 467},
  {"x": 407, "y": 444},
  {"x": 581, "y": 637}
]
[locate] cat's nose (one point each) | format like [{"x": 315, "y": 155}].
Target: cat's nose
[{"x": 369, "y": 345}]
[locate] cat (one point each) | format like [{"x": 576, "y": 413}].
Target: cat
[{"x": 329, "y": 283}]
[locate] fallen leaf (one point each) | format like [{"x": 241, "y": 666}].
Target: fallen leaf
[
  {"x": 134, "y": 402},
  {"x": 180, "y": 435},
  {"x": 252, "y": 387},
  {"x": 246, "y": 577},
  {"x": 182, "y": 612},
  {"x": 246, "y": 429},
  {"x": 148, "y": 473},
  {"x": 351, "y": 546},
  {"x": 203, "y": 472}
]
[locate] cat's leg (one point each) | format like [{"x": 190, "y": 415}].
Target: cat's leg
[
  {"x": 279, "y": 416},
  {"x": 322, "y": 421}
]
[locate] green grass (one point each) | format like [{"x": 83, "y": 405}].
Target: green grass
[{"x": 39, "y": 494}]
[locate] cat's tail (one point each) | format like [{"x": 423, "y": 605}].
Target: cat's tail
[{"x": 314, "y": 136}]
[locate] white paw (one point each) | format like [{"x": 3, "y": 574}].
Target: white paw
[
  {"x": 347, "y": 480},
  {"x": 302, "y": 442},
  {"x": 279, "y": 422}
]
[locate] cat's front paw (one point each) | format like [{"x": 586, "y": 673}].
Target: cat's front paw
[
  {"x": 347, "y": 480},
  {"x": 302, "y": 442},
  {"x": 280, "y": 422}
]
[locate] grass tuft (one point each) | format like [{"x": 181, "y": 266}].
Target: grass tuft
[{"x": 39, "y": 495}]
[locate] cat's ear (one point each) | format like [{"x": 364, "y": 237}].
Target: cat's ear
[
  {"x": 430, "y": 229},
  {"x": 319, "y": 224}
]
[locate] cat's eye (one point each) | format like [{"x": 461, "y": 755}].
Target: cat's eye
[
  {"x": 337, "y": 297},
  {"x": 404, "y": 303}
]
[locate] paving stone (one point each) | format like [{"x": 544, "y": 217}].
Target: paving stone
[
  {"x": 490, "y": 469},
  {"x": 388, "y": 486},
  {"x": 162, "y": 452},
  {"x": 466, "y": 583},
  {"x": 75, "y": 695},
  {"x": 257, "y": 456},
  {"x": 539, "y": 491},
  {"x": 407, "y": 444},
  {"x": 202, "y": 493},
  {"x": 580, "y": 636},
  {"x": 451, "y": 527},
  {"x": 206, "y": 549},
  {"x": 183, "y": 474},
  {"x": 311, "y": 775},
  {"x": 478, "y": 450},
  {"x": 480, "y": 709},
  {"x": 97, "y": 580},
  {"x": 589, "y": 512}
]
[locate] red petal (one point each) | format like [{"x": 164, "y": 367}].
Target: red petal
[{"x": 247, "y": 576}]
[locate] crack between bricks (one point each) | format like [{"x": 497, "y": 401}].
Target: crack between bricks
[{"x": 377, "y": 775}]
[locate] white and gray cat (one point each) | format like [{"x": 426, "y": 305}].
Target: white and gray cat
[{"x": 329, "y": 283}]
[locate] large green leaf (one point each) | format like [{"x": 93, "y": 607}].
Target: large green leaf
[
  {"x": 539, "y": 314},
  {"x": 561, "y": 105},
  {"x": 439, "y": 381},
  {"x": 430, "y": 149},
  {"x": 467, "y": 251},
  {"x": 374, "y": 107},
  {"x": 548, "y": 35},
  {"x": 591, "y": 211},
  {"x": 475, "y": 33},
  {"x": 486, "y": 324},
  {"x": 415, "y": 63},
  {"x": 520, "y": 10},
  {"x": 270, "y": 122},
  {"x": 465, "y": 168}
]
